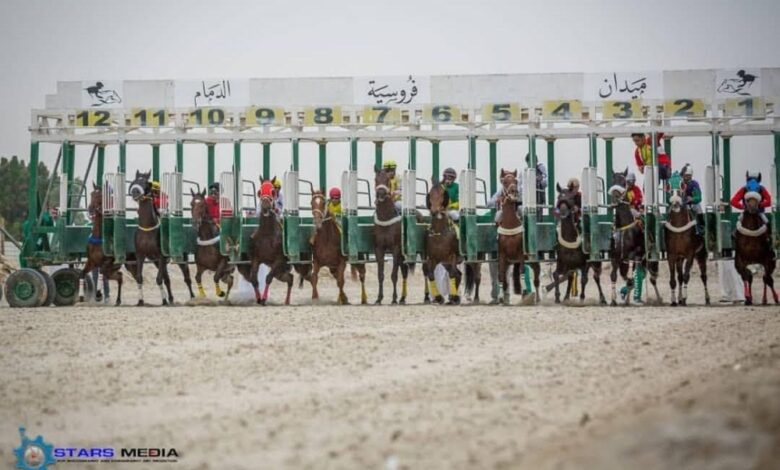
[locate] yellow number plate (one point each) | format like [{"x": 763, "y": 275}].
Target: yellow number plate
[
  {"x": 93, "y": 118},
  {"x": 207, "y": 117},
  {"x": 684, "y": 107},
  {"x": 562, "y": 110},
  {"x": 148, "y": 117},
  {"x": 264, "y": 116},
  {"x": 501, "y": 112},
  {"x": 622, "y": 109},
  {"x": 745, "y": 107},
  {"x": 442, "y": 113},
  {"x": 322, "y": 116},
  {"x": 381, "y": 115}
]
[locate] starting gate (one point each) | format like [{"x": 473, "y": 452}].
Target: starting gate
[{"x": 115, "y": 231}]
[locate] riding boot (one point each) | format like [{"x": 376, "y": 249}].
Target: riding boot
[
  {"x": 639, "y": 280},
  {"x": 700, "y": 225}
]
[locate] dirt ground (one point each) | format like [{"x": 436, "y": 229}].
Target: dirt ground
[{"x": 546, "y": 386}]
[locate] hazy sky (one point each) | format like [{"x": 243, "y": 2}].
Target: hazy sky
[{"x": 42, "y": 42}]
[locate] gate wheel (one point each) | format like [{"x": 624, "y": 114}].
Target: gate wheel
[
  {"x": 50, "y": 288},
  {"x": 67, "y": 283},
  {"x": 25, "y": 288}
]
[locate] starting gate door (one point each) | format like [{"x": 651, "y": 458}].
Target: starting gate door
[
  {"x": 652, "y": 215},
  {"x": 114, "y": 217},
  {"x": 230, "y": 216},
  {"x": 412, "y": 232},
  {"x": 530, "y": 214}
]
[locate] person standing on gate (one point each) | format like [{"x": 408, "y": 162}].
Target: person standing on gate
[
  {"x": 643, "y": 155},
  {"x": 453, "y": 193},
  {"x": 389, "y": 167}
]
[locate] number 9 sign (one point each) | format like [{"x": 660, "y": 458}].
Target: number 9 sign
[{"x": 262, "y": 116}]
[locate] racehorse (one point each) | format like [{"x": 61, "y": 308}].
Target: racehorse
[
  {"x": 95, "y": 257},
  {"x": 387, "y": 238},
  {"x": 510, "y": 237},
  {"x": 569, "y": 254},
  {"x": 441, "y": 245},
  {"x": 683, "y": 244},
  {"x": 326, "y": 250},
  {"x": 147, "y": 242},
  {"x": 753, "y": 246},
  {"x": 628, "y": 242},
  {"x": 207, "y": 255},
  {"x": 266, "y": 248}
]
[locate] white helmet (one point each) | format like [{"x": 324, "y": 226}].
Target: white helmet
[
  {"x": 631, "y": 178},
  {"x": 687, "y": 170}
]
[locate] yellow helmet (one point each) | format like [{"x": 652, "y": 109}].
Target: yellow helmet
[
  {"x": 276, "y": 182},
  {"x": 155, "y": 185},
  {"x": 389, "y": 164}
]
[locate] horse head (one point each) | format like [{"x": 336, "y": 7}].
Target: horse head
[
  {"x": 198, "y": 208},
  {"x": 437, "y": 199},
  {"x": 318, "y": 207},
  {"x": 675, "y": 201},
  {"x": 381, "y": 184},
  {"x": 566, "y": 202},
  {"x": 140, "y": 185},
  {"x": 266, "y": 197},
  {"x": 95, "y": 201}
]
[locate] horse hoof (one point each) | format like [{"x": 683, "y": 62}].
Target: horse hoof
[
  {"x": 454, "y": 300},
  {"x": 98, "y": 296},
  {"x": 140, "y": 303},
  {"x": 684, "y": 303},
  {"x": 439, "y": 299},
  {"x": 221, "y": 294},
  {"x": 426, "y": 300},
  {"x": 613, "y": 304},
  {"x": 378, "y": 302},
  {"x": 748, "y": 301},
  {"x": 81, "y": 298},
  {"x": 165, "y": 302},
  {"x": 557, "y": 300},
  {"x": 118, "y": 302},
  {"x": 673, "y": 304}
]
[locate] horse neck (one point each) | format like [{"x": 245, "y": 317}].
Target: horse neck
[
  {"x": 268, "y": 222},
  {"x": 328, "y": 229},
  {"x": 207, "y": 229},
  {"x": 440, "y": 224},
  {"x": 623, "y": 215},
  {"x": 146, "y": 214},
  {"x": 97, "y": 224},
  {"x": 679, "y": 218},
  {"x": 751, "y": 221},
  {"x": 509, "y": 218},
  {"x": 385, "y": 210},
  {"x": 569, "y": 228}
]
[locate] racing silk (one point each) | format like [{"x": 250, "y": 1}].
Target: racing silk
[
  {"x": 279, "y": 202},
  {"x": 334, "y": 208},
  {"x": 453, "y": 192},
  {"x": 692, "y": 191},
  {"x": 212, "y": 207},
  {"x": 395, "y": 188},
  {"x": 634, "y": 196},
  {"x": 644, "y": 155},
  {"x": 738, "y": 201}
]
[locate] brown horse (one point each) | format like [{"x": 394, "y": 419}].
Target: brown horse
[
  {"x": 753, "y": 245},
  {"x": 326, "y": 250},
  {"x": 387, "y": 238},
  {"x": 147, "y": 238},
  {"x": 266, "y": 248},
  {"x": 569, "y": 255},
  {"x": 207, "y": 255},
  {"x": 95, "y": 256},
  {"x": 511, "y": 250},
  {"x": 682, "y": 246},
  {"x": 441, "y": 245}
]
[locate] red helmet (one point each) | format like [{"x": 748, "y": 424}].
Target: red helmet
[{"x": 335, "y": 193}]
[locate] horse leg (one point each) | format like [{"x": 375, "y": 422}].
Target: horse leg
[
  {"x": 427, "y": 298},
  {"x": 502, "y": 280},
  {"x": 379, "y": 254},
  {"x": 747, "y": 279},
  {"x": 404, "y": 277},
  {"x": 106, "y": 286},
  {"x": 477, "y": 281},
  {"x": 340, "y": 271},
  {"x": 536, "y": 268},
  {"x": 569, "y": 284},
  {"x": 198, "y": 280},
  {"x": 314, "y": 278},
  {"x": 584, "y": 277},
  {"x": 282, "y": 271},
  {"x": 394, "y": 276},
  {"x": 686, "y": 279},
  {"x": 672, "y": 278},
  {"x": 361, "y": 270},
  {"x": 161, "y": 274},
  {"x": 88, "y": 267},
  {"x": 652, "y": 268},
  {"x": 185, "y": 271},
  {"x": 769, "y": 267},
  {"x": 702, "y": 261},
  {"x": 254, "y": 267},
  {"x": 139, "y": 277},
  {"x": 455, "y": 278},
  {"x": 557, "y": 280}
]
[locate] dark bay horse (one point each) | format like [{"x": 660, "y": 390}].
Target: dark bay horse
[
  {"x": 683, "y": 244},
  {"x": 207, "y": 255},
  {"x": 752, "y": 242},
  {"x": 628, "y": 241},
  {"x": 326, "y": 250},
  {"x": 95, "y": 256},
  {"x": 147, "y": 241},
  {"x": 387, "y": 238},
  {"x": 570, "y": 257},
  {"x": 441, "y": 245},
  {"x": 266, "y": 248},
  {"x": 511, "y": 251}
]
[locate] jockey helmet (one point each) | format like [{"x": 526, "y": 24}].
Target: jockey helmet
[
  {"x": 389, "y": 165},
  {"x": 335, "y": 193},
  {"x": 451, "y": 173}
]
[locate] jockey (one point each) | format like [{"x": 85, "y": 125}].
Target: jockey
[
  {"x": 212, "y": 202},
  {"x": 692, "y": 196},
  {"x": 448, "y": 181},
  {"x": 752, "y": 185},
  {"x": 334, "y": 202},
  {"x": 278, "y": 196},
  {"x": 633, "y": 195},
  {"x": 643, "y": 155},
  {"x": 155, "y": 190},
  {"x": 573, "y": 185},
  {"x": 395, "y": 183}
]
